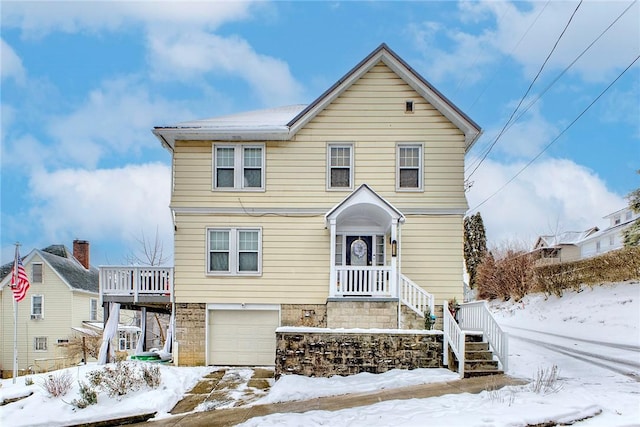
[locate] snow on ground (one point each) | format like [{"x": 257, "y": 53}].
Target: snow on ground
[{"x": 605, "y": 319}]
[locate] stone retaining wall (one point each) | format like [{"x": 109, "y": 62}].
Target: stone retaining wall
[{"x": 326, "y": 352}]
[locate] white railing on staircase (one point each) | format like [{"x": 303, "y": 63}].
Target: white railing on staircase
[
  {"x": 475, "y": 316},
  {"x": 414, "y": 297},
  {"x": 454, "y": 337}
]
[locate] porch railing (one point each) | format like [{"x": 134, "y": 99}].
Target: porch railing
[
  {"x": 454, "y": 337},
  {"x": 414, "y": 297},
  {"x": 136, "y": 281},
  {"x": 475, "y": 316},
  {"x": 372, "y": 281}
]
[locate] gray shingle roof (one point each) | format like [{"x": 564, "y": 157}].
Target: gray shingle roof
[{"x": 61, "y": 259}]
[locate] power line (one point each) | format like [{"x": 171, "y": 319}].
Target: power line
[
  {"x": 559, "y": 135},
  {"x": 502, "y": 131},
  {"x": 533, "y": 101}
]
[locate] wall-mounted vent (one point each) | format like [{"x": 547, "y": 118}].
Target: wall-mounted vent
[{"x": 408, "y": 107}]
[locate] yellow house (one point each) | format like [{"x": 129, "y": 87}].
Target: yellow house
[
  {"x": 344, "y": 213},
  {"x": 63, "y": 294}
]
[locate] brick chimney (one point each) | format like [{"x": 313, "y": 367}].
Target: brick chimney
[{"x": 81, "y": 252}]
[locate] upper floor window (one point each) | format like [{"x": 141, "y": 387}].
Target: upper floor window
[
  {"x": 409, "y": 167},
  {"x": 238, "y": 167},
  {"x": 616, "y": 220},
  {"x": 37, "y": 305},
  {"x": 628, "y": 216},
  {"x": 235, "y": 251},
  {"x": 36, "y": 273},
  {"x": 340, "y": 166}
]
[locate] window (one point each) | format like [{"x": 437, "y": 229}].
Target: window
[
  {"x": 36, "y": 273},
  {"x": 37, "y": 305},
  {"x": 628, "y": 216},
  {"x": 234, "y": 251},
  {"x": 612, "y": 240},
  {"x": 616, "y": 220},
  {"x": 340, "y": 160},
  {"x": 598, "y": 246},
  {"x": 127, "y": 340},
  {"x": 409, "y": 167},
  {"x": 62, "y": 342},
  {"x": 408, "y": 107},
  {"x": 40, "y": 343},
  {"x": 238, "y": 167},
  {"x": 93, "y": 309}
]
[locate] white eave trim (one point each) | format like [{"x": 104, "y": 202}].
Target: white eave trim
[{"x": 168, "y": 136}]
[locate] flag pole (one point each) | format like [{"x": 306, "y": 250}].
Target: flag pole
[{"x": 15, "y": 318}]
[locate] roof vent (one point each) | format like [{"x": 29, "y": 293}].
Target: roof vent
[{"x": 408, "y": 107}]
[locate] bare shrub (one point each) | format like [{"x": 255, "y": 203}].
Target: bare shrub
[
  {"x": 124, "y": 377},
  {"x": 116, "y": 380},
  {"x": 546, "y": 381},
  {"x": 151, "y": 375},
  {"x": 81, "y": 346},
  {"x": 508, "y": 274},
  {"x": 88, "y": 396},
  {"x": 57, "y": 384}
]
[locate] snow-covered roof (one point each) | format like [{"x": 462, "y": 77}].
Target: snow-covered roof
[
  {"x": 281, "y": 124},
  {"x": 565, "y": 238}
]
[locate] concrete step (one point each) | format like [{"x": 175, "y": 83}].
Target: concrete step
[
  {"x": 469, "y": 374},
  {"x": 478, "y": 355},
  {"x": 476, "y": 346},
  {"x": 480, "y": 365}
]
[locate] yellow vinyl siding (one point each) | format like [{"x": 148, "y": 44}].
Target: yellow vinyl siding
[
  {"x": 371, "y": 116},
  {"x": 295, "y": 261}
]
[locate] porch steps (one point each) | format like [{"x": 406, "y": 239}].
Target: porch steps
[{"x": 479, "y": 359}]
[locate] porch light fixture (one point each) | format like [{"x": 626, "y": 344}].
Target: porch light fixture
[{"x": 394, "y": 248}]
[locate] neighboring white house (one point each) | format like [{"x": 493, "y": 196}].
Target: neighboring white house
[{"x": 610, "y": 238}]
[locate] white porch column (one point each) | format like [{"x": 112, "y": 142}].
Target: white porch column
[
  {"x": 394, "y": 259},
  {"x": 333, "y": 290}
]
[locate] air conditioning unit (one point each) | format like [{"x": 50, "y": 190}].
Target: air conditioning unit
[{"x": 36, "y": 316}]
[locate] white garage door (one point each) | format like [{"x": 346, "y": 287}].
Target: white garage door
[{"x": 242, "y": 337}]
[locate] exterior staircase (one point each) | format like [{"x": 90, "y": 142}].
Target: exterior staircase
[{"x": 478, "y": 358}]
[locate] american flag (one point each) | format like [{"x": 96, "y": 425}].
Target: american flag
[{"x": 19, "y": 280}]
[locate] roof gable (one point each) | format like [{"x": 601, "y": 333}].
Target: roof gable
[
  {"x": 61, "y": 260},
  {"x": 281, "y": 124},
  {"x": 388, "y": 57}
]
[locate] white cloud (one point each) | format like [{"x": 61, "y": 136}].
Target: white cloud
[
  {"x": 549, "y": 195},
  {"x": 186, "y": 55},
  {"x": 116, "y": 118},
  {"x": 11, "y": 64},
  {"x": 114, "y": 205},
  {"x": 476, "y": 51},
  {"x": 37, "y": 19}
]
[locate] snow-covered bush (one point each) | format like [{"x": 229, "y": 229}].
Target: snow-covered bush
[
  {"x": 88, "y": 396},
  {"x": 124, "y": 377},
  {"x": 58, "y": 384}
]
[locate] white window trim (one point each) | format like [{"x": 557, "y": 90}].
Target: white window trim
[
  {"x": 234, "y": 253},
  {"x": 41, "y": 308},
  {"x": 351, "y": 165},
  {"x": 46, "y": 344},
  {"x": 33, "y": 278},
  {"x": 420, "y": 187},
  {"x": 238, "y": 167},
  {"x": 91, "y": 302}
]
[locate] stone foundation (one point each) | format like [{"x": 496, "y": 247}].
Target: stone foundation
[
  {"x": 309, "y": 315},
  {"x": 323, "y": 353},
  {"x": 191, "y": 334},
  {"x": 361, "y": 313}
]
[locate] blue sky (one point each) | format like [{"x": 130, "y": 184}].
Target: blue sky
[{"x": 83, "y": 83}]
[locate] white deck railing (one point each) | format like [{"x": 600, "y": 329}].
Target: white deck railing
[
  {"x": 454, "y": 337},
  {"x": 371, "y": 281},
  {"x": 475, "y": 316},
  {"x": 414, "y": 297},
  {"x": 136, "y": 281}
]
